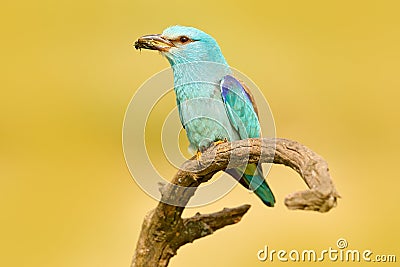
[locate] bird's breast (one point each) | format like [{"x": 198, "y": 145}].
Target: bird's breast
[{"x": 204, "y": 116}]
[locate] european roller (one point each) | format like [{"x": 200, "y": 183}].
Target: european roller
[{"x": 213, "y": 105}]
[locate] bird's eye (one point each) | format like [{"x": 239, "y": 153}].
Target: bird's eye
[{"x": 183, "y": 39}]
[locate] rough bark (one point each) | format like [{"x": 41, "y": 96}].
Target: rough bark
[{"x": 164, "y": 230}]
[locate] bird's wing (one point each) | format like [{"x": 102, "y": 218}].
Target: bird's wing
[{"x": 240, "y": 107}]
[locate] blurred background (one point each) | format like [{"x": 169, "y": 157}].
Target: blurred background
[{"x": 329, "y": 70}]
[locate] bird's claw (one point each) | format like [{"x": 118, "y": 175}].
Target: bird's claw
[
  {"x": 198, "y": 157},
  {"x": 216, "y": 143}
]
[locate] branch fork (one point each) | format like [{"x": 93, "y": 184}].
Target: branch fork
[{"x": 164, "y": 231}]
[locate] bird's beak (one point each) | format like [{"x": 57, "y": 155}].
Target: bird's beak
[{"x": 154, "y": 42}]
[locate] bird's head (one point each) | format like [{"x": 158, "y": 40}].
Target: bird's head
[{"x": 180, "y": 44}]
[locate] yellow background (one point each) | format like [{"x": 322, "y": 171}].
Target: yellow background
[{"x": 329, "y": 69}]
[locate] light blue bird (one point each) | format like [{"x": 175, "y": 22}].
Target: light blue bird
[{"x": 213, "y": 105}]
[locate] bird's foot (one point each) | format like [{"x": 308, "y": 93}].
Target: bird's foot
[
  {"x": 198, "y": 156},
  {"x": 216, "y": 143}
]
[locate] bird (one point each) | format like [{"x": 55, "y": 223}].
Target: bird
[{"x": 213, "y": 105}]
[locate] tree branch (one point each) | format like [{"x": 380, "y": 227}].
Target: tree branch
[{"x": 164, "y": 231}]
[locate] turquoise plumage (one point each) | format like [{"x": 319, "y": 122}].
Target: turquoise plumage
[{"x": 213, "y": 105}]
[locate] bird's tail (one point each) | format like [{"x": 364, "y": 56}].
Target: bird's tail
[{"x": 252, "y": 178}]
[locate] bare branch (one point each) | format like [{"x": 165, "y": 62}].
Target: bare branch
[{"x": 164, "y": 231}]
